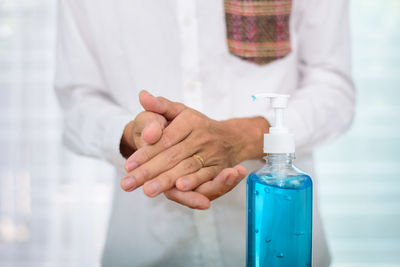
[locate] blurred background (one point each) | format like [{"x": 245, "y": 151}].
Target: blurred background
[{"x": 54, "y": 204}]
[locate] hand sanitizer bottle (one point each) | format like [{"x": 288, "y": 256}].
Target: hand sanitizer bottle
[{"x": 279, "y": 201}]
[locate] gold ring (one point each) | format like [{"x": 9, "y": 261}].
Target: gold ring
[{"x": 201, "y": 159}]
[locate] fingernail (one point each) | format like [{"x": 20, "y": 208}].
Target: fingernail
[
  {"x": 153, "y": 187},
  {"x": 184, "y": 183},
  {"x": 144, "y": 91},
  {"x": 131, "y": 165},
  {"x": 201, "y": 205},
  {"x": 230, "y": 180},
  {"x": 128, "y": 183}
]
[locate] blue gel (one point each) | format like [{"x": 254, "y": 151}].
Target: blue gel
[{"x": 279, "y": 220}]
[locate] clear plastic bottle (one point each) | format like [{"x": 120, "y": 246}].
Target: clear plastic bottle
[{"x": 279, "y": 214}]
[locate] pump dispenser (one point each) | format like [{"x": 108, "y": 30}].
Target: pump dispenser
[
  {"x": 279, "y": 200},
  {"x": 278, "y": 140}
]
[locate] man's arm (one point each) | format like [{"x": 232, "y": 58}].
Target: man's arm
[
  {"x": 323, "y": 106},
  {"x": 93, "y": 122}
]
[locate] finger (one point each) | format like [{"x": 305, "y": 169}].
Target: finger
[
  {"x": 149, "y": 135},
  {"x": 144, "y": 118},
  {"x": 241, "y": 170},
  {"x": 191, "y": 181},
  {"x": 174, "y": 133},
  {"x": 152, "y": 133},
  {"x": 160, "y": 105},
  {"x": 225, "y": 181},
  {"x": 159, "y": 164},
  {"x": 166, "y": 180},
  {"x": 190, "y": 199},
  {"x": 220, "y": 185},
  {"x": 142, "y": 122}
]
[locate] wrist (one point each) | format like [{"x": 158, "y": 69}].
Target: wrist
[{"x": 251, "y": 137}]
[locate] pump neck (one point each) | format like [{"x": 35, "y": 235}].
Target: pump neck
[{"x": 280, "y": 159}]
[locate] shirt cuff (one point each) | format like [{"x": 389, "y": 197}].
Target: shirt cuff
[{"x": 111, "y": 139}]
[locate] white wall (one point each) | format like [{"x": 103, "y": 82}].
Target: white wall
[
  {"x": 53, "y": 204},
  {"x": 360, "y": 173}
]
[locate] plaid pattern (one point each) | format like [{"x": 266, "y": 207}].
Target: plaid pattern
[{"x": 258, "y": 30}]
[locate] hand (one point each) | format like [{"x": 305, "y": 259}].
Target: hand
[
  {"x": 146, "y": 128},
  {"x": 169, "y": 162},
  {"x": 200, "y": 198}
]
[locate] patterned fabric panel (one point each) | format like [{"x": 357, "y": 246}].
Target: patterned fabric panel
[{"x": 258, "y": 30}]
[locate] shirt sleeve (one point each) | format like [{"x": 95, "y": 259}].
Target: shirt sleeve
[
  {"x": 93, "y": 120},
  {"x": 323, "y": 106}
]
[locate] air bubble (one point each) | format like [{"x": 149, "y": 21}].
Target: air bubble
[
  {"x": 256, "y": 231},
  {"x": 257, "y": 193},
  {"x": 288, "y": 198},
  {"x": 280, "y": 255}
]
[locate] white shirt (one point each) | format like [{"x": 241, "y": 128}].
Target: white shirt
[{"x": 110, "y": 50}]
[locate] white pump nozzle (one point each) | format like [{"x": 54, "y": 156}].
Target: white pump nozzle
[{"x": 278, "y": 140}]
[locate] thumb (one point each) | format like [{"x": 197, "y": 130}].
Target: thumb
[
  {"x": 147, "y": 128},
  {"x": 152, "y": 132},
  {"x": 160, "y": 105}
]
